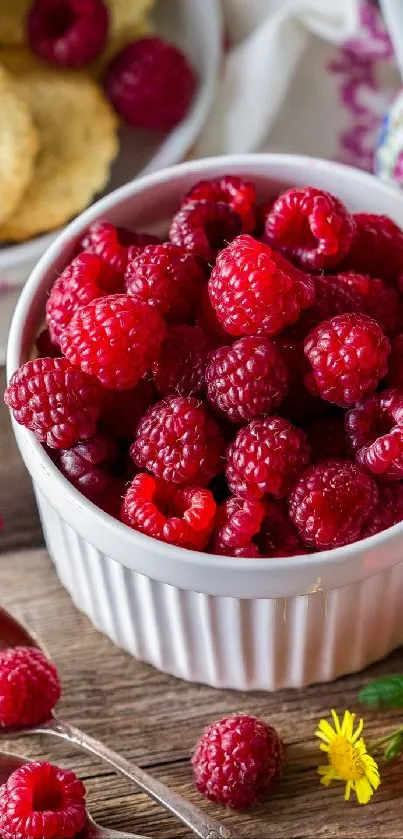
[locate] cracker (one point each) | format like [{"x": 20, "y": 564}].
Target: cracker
[
  {"x": 78, "y": 141},
  {"x": 13, "y": 15},
  {"x": 18, "y": 146}
]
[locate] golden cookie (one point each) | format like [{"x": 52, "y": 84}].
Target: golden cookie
[
  {"x": 13, "y": 15},
  {"x": 78, "y": 141},
  {"x": 18, "y": 146},
  {"x": 19, "y": 59},
  {"x": 128, "y": 21}
]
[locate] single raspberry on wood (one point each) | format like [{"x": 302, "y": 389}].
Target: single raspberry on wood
[
  {"x": 330, "y": 503},
  {"x": 327, "y": 438},
  {"x": 115, "y": 338},
  {"x": 266, "y": 457},
  {"x": 239, "y": 194},
  {"x": 376, "y": 248},
  {"x": 256, "y": 291},
  {"x": 237, "y": 761},
  {"x": 237, "y": 521},
  {"x": 41, "y": 800},
  {"x": 55, "y": 400},
  {"x": 29, "y": 686},
  {"x": 85, "y": 465},
  {"x": 348, "y": 356},
  {"x": 312, "y": 227},
  {"x": 68, "y": 33},
  {"x": 122, "y": 409},
  {"x": 115, "y": 244},
  {"x": 388, "y": 510},
  {"x": 151, "y": 84},
  {"x": 177, "y": 440},
  {"x": 204, "y": 227},
  {"x": 394, "y": 377},
  {"x": 180, "y": 369},
  {"x": 181, "y": 516},
  {"x": 247, "y": 379},
  {"x": 375, "y": 432},
  {"x": 167, "y": 279}
]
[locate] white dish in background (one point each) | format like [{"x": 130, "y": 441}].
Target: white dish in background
[
  {"x": 247, "y": 624},
  {"x": 196, "y": 27}
]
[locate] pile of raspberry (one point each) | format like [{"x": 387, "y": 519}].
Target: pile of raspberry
[{"x": 236, "y": 388}]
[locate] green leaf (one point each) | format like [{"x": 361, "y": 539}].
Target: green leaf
[
  {"x": 386, "y": 692},
  {"x": 395, "y": 748}
]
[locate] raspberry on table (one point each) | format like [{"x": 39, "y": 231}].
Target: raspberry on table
[
  {"x": 255, "y": 290},
  {"x": 167, "y": 279},
  {"x": 299, "y": 405},
  {"x": 376, "y": 248},
  {"x": 180, "y": 369},
  {"x": 348, "y": 357},
  {"x": 29, "y": 686},
  {"x": 57, "y": 401},
  {"x": 114, "y": 338},
  {"x": 266, "y": 457},
  {"x": 68, "y": 33},
  {"x": 239, "y": 194},
  {"x": 181, "y": 516},
  {"x": 85, "y": 465},
  {"x": 387, "y": 512},
  {"x": 330, "y": 503},
  {"x": 247, "y": 379},
  {"x": 204, "y": 227},
  {"x": 394, "y": 376},
  {"x": 238, "y": 520},
  {"x": 45, "y": 346},
  {"x": 311, "y": 226},
  {"x": 114, "y": 244},
  {"x": 151, "y": 84},
  {"x": 375, "y": 432},
  {"x": 327, "y": 438},
  {"x": 238, "y": 761},
  {"x": 42, "y": 800},
  {"x": 122, "y": 409},
  {"x": 177, "y": 440}
]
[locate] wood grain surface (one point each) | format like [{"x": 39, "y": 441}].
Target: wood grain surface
[{"x": 155, "y": 719}]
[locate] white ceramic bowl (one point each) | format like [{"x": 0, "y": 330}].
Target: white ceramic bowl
[{"x": 247, "y": 624}]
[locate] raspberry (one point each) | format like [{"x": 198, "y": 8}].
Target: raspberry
[
  {"x": 348, "y": 356},
  {"x": 239, "y": 194},
  {"x": 277, "y": 535},
  {"x": 237, "y": 761},
  {"x": 41, "y": 800},
  {"x": 181, "y": 516},
  {"x": 266, "y": 456},
  {"x": 238, "y": 520},
  {"x": 122, "y": 409},
  {"x": 330, "y": 503},
  {"x": 181, "y": 367},
  {"x": 311, "y": 226},
  {"x": 55, "y": 400},
  {"x": 113, "y": 244},
  {"x": 375, "y": 430},
  {"x": 377, "y": 248},
  {"x": 327, "y": 438},
  {"x": 299, "y": 405},
  {"x": 84, "y": 465},
  {"x": 115, "y": 338},
  {"x": 388, "y": 511},
  {"x": 204, "y": 227},
  {"x": 151, "y": 84},
  {"x": 261, "y": 212},
  {"x": 208, "y": 321},
  {"x": 45, "y": 346},
  {"x": 254, "y": 290},
  {"x": 394, "y": 376},
  {"x": 246, "y": 379},
  {"x": 178, "y": 441},
  {"x": 85, "y": 279},
  {"x": 167, "y": 279},
  {"x": 29, "y": 686},
  {"x": 68, "y": 33}
]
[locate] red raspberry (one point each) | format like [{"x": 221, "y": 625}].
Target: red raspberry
[
  {"x": 181, "y": 367},
  {"x": 204, "y": 227},
  {"x": 151, "y": 84},
  {"x": 55, "y": 400},
  {"x": 239, "y": 194},
  {"x": 208, "y": 321},
  {"x": 311, "y": 226},
  {"x": 266, "y": 456},
  {"x": 167, "y": 279},
  {"x": 247, "y": 379},
  {"x": 388, "y": 511},
  {"x": 46, "y": 348},
  {"x": 330, "y": 503},
  {"x": 179, "y": 442},
  {"x": 377, "y": 248},
  {"x": 84, "y": 465},
  {"x": 327, "y": 438},
  {"x": 299, "y": 405},
  {"x": 375, "y": 430},
  {"x": 181, "y": 516},
  {"x": 29, "y": 686},
  {"x": 238, "y": 520},
  {"x": 394, "y": 376},
  {"x": 115, "y": 338},
  {"x": 122, "y": 409},
  {"x": 113, "y": 244},
  {"x": 85, "y": 279},
  {"x": 68, "y": 33},
  {"x": 278, "y": 536},
  {"x": 254, "y": 290},
  {"x": 237, "y": 761},
  {"x": 261, "y": 212},
  {"x": 41, "y": 800},
  {"x": 348, "y": 356}
]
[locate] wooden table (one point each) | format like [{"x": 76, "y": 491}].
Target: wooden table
[{"x": 155, "y": 719}]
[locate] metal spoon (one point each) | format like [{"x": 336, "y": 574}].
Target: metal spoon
[
  {"x": 9, "y": 763},
  {"x": 14, "y": 633}
]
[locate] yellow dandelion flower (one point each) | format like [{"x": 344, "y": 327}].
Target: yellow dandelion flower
[{"x": 348, "y": 758}]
